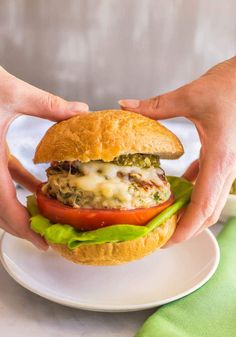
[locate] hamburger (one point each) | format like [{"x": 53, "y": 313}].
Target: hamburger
[{"x": 107, "y": 200}]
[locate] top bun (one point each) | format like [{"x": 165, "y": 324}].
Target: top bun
[{"x": 104, "y": 135}]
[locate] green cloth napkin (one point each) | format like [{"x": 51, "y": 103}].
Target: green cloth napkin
[{"x": 208, "y": 312}]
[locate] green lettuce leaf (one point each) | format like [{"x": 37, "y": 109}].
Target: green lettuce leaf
[
  {"x": 66, "y": 234},
  {"x": 180, "y": 187},
  {"x": 39, "y": 223}
]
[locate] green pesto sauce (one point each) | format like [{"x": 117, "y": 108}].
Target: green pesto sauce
[{"x": 137, "y": 159}]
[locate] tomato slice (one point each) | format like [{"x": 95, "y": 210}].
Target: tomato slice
[{"x": 86, "y": 219}]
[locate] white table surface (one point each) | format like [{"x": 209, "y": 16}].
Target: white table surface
[{"x": 24, "y": 314}]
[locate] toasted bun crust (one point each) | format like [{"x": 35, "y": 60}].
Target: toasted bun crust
[
  {"x": 117, "y": 253},
  {"x": 104, "y": 135}
]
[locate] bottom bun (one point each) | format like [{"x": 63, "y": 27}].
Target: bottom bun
[{"x": 120, "y": 252}]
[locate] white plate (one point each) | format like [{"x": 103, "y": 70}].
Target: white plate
[{"x": 159, "y": 278}]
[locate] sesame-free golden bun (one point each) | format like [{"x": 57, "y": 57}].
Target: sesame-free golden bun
[
  {"x": 104, "y": 135},
  {"x": 120, "y": 252}
]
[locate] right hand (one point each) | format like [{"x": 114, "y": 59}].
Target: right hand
[{"x": 210, "y": 103}]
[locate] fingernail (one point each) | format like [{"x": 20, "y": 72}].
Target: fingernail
[
  {"x": 129, "y": 103},
  {"x": 77, "y": 106}
]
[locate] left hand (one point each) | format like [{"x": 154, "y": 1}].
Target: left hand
[{"x": 16, "y": 98}]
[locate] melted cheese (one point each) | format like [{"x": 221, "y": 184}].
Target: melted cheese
[
  {"x": 102, "y": 178},
  {"x": 99, "y": 184},
  {"x": 108, "y": 183},
  {"x": 110, "y": 171}
]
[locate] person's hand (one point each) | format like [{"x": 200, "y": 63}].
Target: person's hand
[
  {"x": 210, "y": 103},
  {"x": 16, "y": 98}
]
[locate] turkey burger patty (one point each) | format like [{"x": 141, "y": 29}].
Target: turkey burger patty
[{"x": 129, "y": 182}]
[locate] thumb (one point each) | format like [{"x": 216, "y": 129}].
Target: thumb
[
  {"x": 27, "y": 99},
  {"x": 54, "y": 108},
  {"x": 169, "y": 105}
]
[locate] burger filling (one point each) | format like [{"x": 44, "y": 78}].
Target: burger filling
[{"x": 128, "y": 182}]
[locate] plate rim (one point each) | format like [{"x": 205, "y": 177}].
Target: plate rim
[{"x": 109, "y": 307}]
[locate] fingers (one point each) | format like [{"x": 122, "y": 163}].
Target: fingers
[
  {"x": 206, "y": 193},
  {"x": 190, "y": 174},
  {"x": 220, "y": 204},
  {"x": 7, "y": 228},
  {"x": 23, "y": 98},
  {"x": 172, "y": 104},
  {"x": 20, "y": 175},
  {"x": 192, "y": 171},
  {"x": 16, "y": 219}
]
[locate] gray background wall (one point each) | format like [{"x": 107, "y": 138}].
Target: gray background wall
[{"x": 99, "y": 51}]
